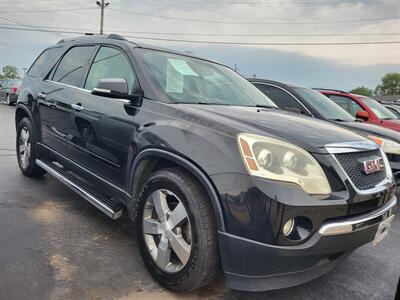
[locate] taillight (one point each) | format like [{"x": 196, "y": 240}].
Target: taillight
[{"x": 14, "y": 90}]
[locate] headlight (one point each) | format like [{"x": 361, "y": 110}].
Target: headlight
[
  {"x": 388, "y": 146},
  {"x": 278, "y": 160}
]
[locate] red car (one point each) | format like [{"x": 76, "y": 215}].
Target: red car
[{"x": 364, "y": 108}]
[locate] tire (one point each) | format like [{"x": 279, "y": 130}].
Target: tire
[
  {"x": 27, "y": 152},
  {"x": 184, "y": 191},
  {"x": 8, "y": 100}
]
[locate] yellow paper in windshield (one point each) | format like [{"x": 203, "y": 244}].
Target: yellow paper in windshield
[{"x": 174, "y": 80}]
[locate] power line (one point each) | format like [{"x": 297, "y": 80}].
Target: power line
[
  {"x": 253, "y": 23},
  {"x": 205, "y": 33},
  {"x": 47, "y": 10},
  {"x": 218, "y": 2},
  {"x": 263, "y": 44},
  {"x": 257, "y": 2},
  {"x": 217, "y": 42}
]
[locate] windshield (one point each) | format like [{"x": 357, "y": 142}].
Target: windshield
[
  {"x": 379, "y": 110},
  {"x": 182, "y": 79},
  {"x": 324, "y": 106}
]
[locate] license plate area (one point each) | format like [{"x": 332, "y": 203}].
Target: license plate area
[{"x": 382, "y": 231}]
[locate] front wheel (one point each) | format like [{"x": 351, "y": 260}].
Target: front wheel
[
  {"x": 177, "y": 231},
  {"x": 26, "y": 149}
]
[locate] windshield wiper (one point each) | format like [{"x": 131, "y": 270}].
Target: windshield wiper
[
  {"x": 199, "y": 102},
  {"x": 337, "y": 120},
  {"x": 266, "y": 106}
]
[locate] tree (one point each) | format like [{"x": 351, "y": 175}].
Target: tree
[
  {"x": 362, "y": 90},
  {"x": 10, "y": 72},
  {"x": 390, "y": 85}
]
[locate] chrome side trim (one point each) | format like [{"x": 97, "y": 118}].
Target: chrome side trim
[
  {"x": 347, "y": 147},
  {"x": 67, "y": 85},
  {"x": 361, "y": 222},
  {"x": 83, "y": 90},
  {"x": 83, "y": 193}
]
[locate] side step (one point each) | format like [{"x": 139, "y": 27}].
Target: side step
[{"x": 107, "y": 206}]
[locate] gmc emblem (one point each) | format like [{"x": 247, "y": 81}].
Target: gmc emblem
[{"x": 373, "y": 165}]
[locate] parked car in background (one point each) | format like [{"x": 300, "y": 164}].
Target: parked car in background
[
  {"x": 311, "y": 103},
  {"x": 364, "y": 108},
  {"x": 395, "y": 109},
  {"x": 9, "y": 91},
  {"x": 213, "y": 174}
]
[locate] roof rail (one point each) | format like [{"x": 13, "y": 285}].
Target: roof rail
[
  {"x": 90, "y": 34},
  {"x": 333, "y": 90}
]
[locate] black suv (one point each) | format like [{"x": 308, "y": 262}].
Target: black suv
[{"x": 213, "y": 174}]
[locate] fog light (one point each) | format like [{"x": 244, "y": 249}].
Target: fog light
[{"x": 288, "y": 227}]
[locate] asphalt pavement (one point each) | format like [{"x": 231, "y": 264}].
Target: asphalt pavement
[{"x": 55, "y": 245}]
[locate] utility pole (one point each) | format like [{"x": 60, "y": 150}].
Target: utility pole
[{"x": 102, "y": 6}]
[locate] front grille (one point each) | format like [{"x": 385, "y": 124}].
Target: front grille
[{"x": 352, "y": 165}]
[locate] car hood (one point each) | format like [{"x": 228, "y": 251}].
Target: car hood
[
  {"x": 309, "y": 133},
  {"x": 368, "y": 129}
]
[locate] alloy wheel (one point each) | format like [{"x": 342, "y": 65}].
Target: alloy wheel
[
  {"x": 24, "y": 146},
  {"x": 167, "y": 231}
]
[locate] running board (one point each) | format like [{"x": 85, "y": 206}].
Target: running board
[{"x": 107, "y": 206}]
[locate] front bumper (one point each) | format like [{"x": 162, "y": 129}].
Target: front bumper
[{"x": 254, "y": 266}]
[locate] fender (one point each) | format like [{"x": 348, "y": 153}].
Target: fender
[
  {"x": 189, "y": 166},
  {"x": 22, "y": 106}
]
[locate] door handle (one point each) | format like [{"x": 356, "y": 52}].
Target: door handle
[
  {"x": 42, "y": 96},
  {"x": 77, "y": 107}
]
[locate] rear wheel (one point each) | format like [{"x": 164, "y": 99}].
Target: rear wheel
[
  {"x": 176, "y": 231},
  {"x": 26, "y": 149}
]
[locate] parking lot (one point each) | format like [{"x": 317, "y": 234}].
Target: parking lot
[{"x": 55, "y": 245}]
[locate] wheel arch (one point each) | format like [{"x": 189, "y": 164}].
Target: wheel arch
[
  {"x": 21, "y": 112},
  {"x": 152, "y": 159}
]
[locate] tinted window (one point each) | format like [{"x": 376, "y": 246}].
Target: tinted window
[
  {"x": 394, "y": 111},
  {"x": 281, "y": 98},
  {"x": 325, "y": 107},
  {"x": 379, "y": 110},
  {"x": 44, "y": 62},
  {"x": 184, "y": 79},
  {"x": 348, "y": 104},
  {"x": 72, "y": 65},
  {"x": 109, "y": 63}
]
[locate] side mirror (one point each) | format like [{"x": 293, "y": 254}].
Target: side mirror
[
  {"x": 363, "y": 115},
  {"x": 111, "y": 88},
  {"x": 117, "y": 88}
]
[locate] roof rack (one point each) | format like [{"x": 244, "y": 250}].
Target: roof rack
[
  {"x": 333, "y": 90},
  {"x": 112, "y": 36}
]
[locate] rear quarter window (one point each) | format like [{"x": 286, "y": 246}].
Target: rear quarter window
[{"x": 44, "y": 62}]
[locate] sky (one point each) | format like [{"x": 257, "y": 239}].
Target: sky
[{"x": 256, "y": 34}]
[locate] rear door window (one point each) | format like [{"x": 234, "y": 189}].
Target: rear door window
[
  {"x": 351, "y": 106},
  {"x": 44, "y": 62},
  {"x": 72, "y": 66}
]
